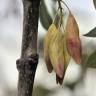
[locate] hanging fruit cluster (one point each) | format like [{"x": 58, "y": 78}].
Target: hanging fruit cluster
[{"x": 61, "y": 43}]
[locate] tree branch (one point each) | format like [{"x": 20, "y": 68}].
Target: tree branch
[{"x": 27, "y": 64}]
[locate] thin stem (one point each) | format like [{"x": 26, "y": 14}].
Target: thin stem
[
  {"x": 60, "y": 7},
  {"x": 55, "y": 15},
  {"x": 59, "y": 2},
  {"x": 66, "y": 6}
]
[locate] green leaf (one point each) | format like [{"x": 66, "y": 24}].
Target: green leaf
[
  {"x": 94, "y": 1},
  {"x": 92, "y": 33},
  {"x": 91, "y": 61},
  {"x": 45, "y": 18},
  {"x": 41, "y": 90}
]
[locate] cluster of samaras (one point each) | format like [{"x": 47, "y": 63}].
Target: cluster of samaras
[{"x": 60, "y": 45}]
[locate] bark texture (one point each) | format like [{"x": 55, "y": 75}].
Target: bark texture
[{"x": 28, "y": 61}]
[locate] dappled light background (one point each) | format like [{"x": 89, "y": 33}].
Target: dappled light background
[{"x": 11, "y": 20}]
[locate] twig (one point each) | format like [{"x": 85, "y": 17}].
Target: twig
[
  {"x": 66, "y": 6},
  {"x": 28, "y": 62},
  {"x": 60, "y": 7}
]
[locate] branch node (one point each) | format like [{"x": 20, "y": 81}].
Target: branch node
[{"x": 27, "y": 64}]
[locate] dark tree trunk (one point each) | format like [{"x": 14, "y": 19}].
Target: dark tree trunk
[{"x": 28, "y": 62}]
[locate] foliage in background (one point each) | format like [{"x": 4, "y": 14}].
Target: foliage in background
[
  {"x": 94, "y": 1},
  {"x": 92, "y": 33},
  {"x": 40, "y": 90},
  {"x": 91, "y": 60},
  {"x": 45, "y": 18}
]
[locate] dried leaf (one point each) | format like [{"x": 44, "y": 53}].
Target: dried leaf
[
  {"x": 56, "y": 53},
  {"x": 72, "y": 39},
  {"x": 66, "y": 62},
  {"x": 47, "y": 39}
]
